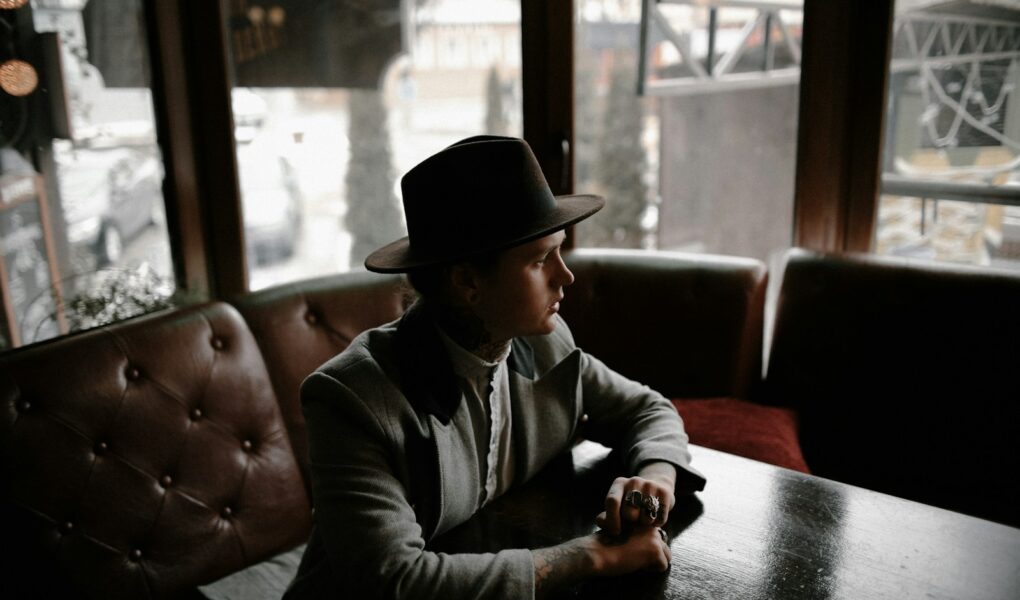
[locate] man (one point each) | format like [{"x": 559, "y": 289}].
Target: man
[{"x": 421, "y": 422}]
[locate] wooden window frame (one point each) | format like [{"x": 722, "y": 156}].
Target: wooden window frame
[{"x": 842, "y": 100}]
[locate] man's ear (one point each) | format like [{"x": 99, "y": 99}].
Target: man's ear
[{"x": 464, "y": 283}]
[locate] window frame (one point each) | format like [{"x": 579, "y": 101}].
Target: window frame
[{"x": 838, "y": 172}]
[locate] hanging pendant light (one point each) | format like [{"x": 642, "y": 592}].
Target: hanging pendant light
[{"x": 17, "y": 77}]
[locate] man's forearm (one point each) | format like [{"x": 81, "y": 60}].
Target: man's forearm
[{"x": 562, "y": 565}]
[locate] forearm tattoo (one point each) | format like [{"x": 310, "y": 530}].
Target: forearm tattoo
[{"x": 559, "y": 566}]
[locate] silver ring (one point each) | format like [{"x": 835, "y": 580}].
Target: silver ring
[
  {"x": 652, "y": 505},
  {"x": 634, "y": 498}
]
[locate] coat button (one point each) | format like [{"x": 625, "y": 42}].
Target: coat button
[
  {"x": 227, "y": 512},
  {"x": 101, "y": 448},
  {"x": 133, "y": 374},
  {"x": 247, "y": 445},
  {"x": 165, "y": 481},
  {"x": 196, "y": 414},
  {"x": 136, "y": 555}
]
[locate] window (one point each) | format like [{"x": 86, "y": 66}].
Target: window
[
  {"x": 951, "y": 168},
  {"x": 686, "y": 121},
  {"x": 82, "y": 213},
  {"x": 325, "y": 130}
]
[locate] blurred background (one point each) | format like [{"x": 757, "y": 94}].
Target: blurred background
[{"x": 685, "y": 119}]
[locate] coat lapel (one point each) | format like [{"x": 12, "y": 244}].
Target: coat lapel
[
  {"x": 542, "y": 409},
  {"x": 545, "y": 413}
]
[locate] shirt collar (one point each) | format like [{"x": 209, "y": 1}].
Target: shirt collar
[{"x": 466, "y": 363}]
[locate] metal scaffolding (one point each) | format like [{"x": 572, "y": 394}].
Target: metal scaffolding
[{"x": 715, "y": 72}]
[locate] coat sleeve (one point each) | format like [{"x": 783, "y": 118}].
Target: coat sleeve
[
  {"x": 373, "y": 542},
  {"x": 633, "y": 418}
]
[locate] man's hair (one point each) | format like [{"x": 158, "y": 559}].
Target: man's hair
[{"x": 428, "y": 281}]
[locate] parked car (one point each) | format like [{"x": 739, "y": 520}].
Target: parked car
[
  {"x": 272, "y": 204},
  {"x": 109, "y": 196}
]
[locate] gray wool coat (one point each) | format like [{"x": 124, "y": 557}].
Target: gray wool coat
[{"x": 389, "y": 472}]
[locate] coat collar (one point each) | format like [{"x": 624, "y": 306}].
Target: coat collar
[{"x": 426, "y": 374}]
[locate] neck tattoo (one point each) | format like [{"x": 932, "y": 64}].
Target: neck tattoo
[{"x": 464, "y": 327}]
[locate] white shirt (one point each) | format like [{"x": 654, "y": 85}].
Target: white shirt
[{"x": 486, "y": 387}]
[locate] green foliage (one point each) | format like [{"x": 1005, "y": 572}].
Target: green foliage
[
  {"x": 373, "y": 215},
  {"x": 495, "y": 112},
  {"x": 621, "y": 164},
  {"x": 117, "y": 294},
  {"x": 107, "y": 296},
  {"x": 587, "y": 112}
]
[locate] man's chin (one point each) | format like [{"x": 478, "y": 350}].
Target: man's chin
[{"x": 548, "y": 326}]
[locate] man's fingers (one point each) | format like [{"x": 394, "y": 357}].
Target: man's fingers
[{"x": 614, "y": 499}]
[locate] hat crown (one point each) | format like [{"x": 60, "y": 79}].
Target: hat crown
[
  {"x": 482, "y": 194},
  {"x": 476, "y": 194}
]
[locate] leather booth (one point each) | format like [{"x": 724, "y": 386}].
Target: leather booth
[
  {"x": 144, "y": 458},
  {"x": 905, "y": 376},
  {"x": 689, "y": 326},
  {"x": 154, "y": 457}
]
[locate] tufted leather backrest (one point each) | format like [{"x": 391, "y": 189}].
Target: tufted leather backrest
[
  {"x": 904, "y": 374},
  {"x": 150, "y": 456},
  {"x": 301, "y": 325},
  {"x": 688, "y": 325}
]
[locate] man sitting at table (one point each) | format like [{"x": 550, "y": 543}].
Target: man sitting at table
[{"x": 422, "y": 422}]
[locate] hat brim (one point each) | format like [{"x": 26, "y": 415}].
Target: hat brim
[{"x": 398, "y": 256}]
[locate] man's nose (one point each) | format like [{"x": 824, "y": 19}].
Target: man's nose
[{"x": 565, "y": 277}]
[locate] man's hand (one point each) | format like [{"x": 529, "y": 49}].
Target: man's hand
[
  {"x": 656, "y": 479},
  {"x": 643, "y": 548}
]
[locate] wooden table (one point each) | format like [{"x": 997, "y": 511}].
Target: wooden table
[{"x": 759, "y": 531}]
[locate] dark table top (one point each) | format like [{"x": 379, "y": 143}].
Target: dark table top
[{"x": 759, "y": 531}]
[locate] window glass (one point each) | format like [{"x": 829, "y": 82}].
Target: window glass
[
  {"x": 951, "y": 162},
  {"x": 689, "y": 131},
  {"x": 332, "y": 105},
  {"x": 81, "y": 203}
]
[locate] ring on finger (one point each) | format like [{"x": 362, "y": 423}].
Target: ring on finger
[
  {"x": 635, "y": 498},
  {"x": 652, "y": 505}
]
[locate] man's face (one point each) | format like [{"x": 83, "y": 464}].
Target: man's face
[{"x": 522, "y": 292}]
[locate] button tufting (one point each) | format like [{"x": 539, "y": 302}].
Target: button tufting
[
  {"x": 136, "y": 554},
  {"x": 247, "y": 445},
  {"x": 311, "y": 317},
  {"x": 196, "y": 414},
  {"x": 217, "y": 343},
  {"x": 165, "y": 481},
  {"x": 101, "y": 448},
  {"x": 584, "y": 418},
  {"x": 133, "y": 373},
  {"x": 226, "y": 512},
  {"x": 66, "y": 527},
  {"x": 24, "y": 406}
]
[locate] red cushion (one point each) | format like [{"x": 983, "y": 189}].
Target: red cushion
[{"x": 765, "y": 433}]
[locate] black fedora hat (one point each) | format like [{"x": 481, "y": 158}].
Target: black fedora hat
[{"x": 482, "y": 194}]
